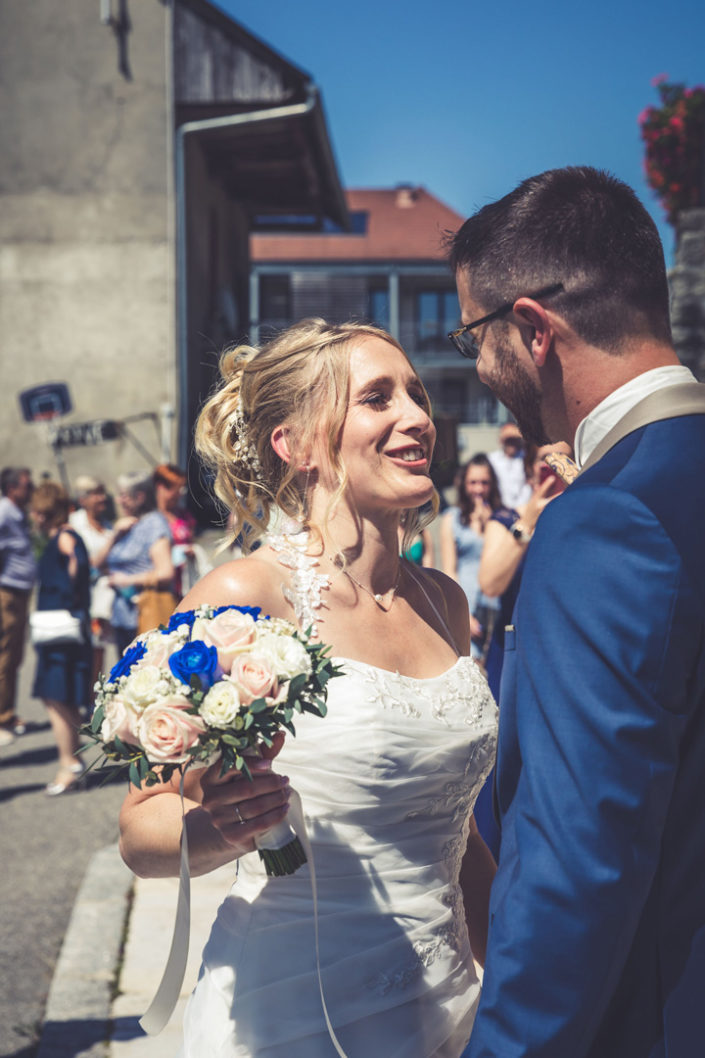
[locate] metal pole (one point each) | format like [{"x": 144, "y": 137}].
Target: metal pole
[{"x": 394, "y": 328}]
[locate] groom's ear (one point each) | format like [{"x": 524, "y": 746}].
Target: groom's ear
[{"x": 540, "y": 338}]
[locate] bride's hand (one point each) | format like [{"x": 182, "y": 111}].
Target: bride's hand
[{"x": 241, "y": 808}]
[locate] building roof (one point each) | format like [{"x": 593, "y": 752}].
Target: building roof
[
  {"x": 258, "y": 118},
  {"x": 402, "y": 223}
]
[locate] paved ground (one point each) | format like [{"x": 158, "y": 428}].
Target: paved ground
[
  {"x": 62, "y": 883},
  {"x": 46, "y": 844}
]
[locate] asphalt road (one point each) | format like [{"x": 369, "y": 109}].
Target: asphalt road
[{"x": 46, "y": 844}]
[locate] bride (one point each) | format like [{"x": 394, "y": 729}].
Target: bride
[{"x": 330, "y": 425}]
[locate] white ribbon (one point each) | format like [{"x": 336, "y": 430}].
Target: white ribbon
[
  {"x": 297, "y": 818},
  {"x": 162, "y": 1006}
]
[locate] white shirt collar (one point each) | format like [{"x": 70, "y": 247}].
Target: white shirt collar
[{"x": 609, "y": 411}]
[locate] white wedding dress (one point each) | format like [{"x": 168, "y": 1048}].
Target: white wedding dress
[{"x": 387, "y": 781}]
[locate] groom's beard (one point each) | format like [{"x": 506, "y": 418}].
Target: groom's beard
[{"x": 513, "y": 387}]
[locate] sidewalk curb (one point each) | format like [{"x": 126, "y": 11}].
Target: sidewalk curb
[{"x": 78, "y": 1011}]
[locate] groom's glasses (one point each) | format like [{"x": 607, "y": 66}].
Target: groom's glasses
[{"x": 466, "y": 342}]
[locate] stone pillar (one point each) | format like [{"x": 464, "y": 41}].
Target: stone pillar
[{"x": 687, "y": 282}]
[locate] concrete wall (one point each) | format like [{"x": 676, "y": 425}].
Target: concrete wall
[
  {"x": 687, "y": 282},
  {"x": 86, "y": 244}
]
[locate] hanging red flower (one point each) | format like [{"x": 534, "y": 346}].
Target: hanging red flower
[{"x": 674, "y": 137}]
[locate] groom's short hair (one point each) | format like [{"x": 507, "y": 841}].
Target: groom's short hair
[{"x": 581, "y": 227}]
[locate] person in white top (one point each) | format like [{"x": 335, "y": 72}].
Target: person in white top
[
  {"x": 93, "y": 526},
  {"x": 508, "y": 464}
]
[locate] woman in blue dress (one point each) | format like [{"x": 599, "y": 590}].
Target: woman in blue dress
[
  {"x": 462, "y": 540},
  {"x": 63, "y": 677},
  {"x": 137, "y": 559}
]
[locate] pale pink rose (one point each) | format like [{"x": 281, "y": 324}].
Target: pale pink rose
[
  {"x": 119, "y": 721},
  {"x": 231, "y": 633},
  {"x": 166, "y": 731},
  {"x": 160, "y": 647},
  {"x": 253, "y": 677}
]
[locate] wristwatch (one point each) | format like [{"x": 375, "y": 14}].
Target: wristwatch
[{"x": 520, "y": 534}]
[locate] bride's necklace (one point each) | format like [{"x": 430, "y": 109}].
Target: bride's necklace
[{"x": 379, "y": 597}]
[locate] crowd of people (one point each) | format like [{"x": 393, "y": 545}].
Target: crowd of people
[{"x": 116, "y": 576}]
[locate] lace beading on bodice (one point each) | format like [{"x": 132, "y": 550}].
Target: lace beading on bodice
[{"x": 304, "y": 594}]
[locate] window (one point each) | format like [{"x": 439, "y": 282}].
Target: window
[
  {"x": 275, "y": 301},
  {"x": 437, "y": 313},
  {"x": 378, "y": 307},
  {"x": 358, "y": 224}
]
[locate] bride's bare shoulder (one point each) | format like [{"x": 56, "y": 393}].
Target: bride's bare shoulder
[{"x": 252, "y": 581}]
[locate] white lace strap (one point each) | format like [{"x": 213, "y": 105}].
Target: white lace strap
[
  {"x": 306, "y": 585},
  {"x": 431, "y": 603}
]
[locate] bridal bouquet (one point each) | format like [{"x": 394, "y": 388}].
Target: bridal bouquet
[{"x": 215, "y": 683}]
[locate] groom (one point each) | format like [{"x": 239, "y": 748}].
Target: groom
[{"x": 597, "y": 936}]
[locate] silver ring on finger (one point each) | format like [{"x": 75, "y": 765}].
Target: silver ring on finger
[{"x": 238, "y": 813}]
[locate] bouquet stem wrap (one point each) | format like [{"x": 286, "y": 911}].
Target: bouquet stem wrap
[{"x": 280, "y": 850}]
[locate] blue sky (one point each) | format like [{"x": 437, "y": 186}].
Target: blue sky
[{"x": 468, "y": 98}]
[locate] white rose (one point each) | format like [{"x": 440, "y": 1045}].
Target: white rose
[
  {"x": 144, "y": 686},
  {"x": 287, "y": 656},
  {"x": 220, "y": 706}
]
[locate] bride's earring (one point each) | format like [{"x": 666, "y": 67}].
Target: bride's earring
[{"x": 304, "y": 501}]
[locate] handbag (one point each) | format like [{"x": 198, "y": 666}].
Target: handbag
[
  {"x": 154, "y": 608},
  {"x": 49, "y": 627},
  {"x": 102, "y": 599}
]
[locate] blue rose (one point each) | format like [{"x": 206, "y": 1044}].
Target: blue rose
[
  {"x": 185, "y": 617},
  {"x": 254, "y": 611},
  {"x": 195, "y": 659},
  {"x": 128, "y": 659}
]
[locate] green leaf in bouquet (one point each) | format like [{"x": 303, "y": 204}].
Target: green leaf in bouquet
[
  {"x": 97, "y": 719},
  {"x": 249, "y": 720},
  {"x": 143, "y": 765},
  {"x": 122, "y": 748},
  {"x": 230, "y": 740},
  {"x": 134, "y": 774},
  {"x": 151, "y": 778},
  {"x": 265, "y": 738},
  {"x": 297, "y": 684},
  {"x": 195, "y": 683},
  {"x": 288, "y": 713},
  {"x": 258, "y": 706},
  {"x": 289, "y": 726}
]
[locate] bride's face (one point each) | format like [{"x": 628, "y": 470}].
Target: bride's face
[{"x": 387, "y": 438}]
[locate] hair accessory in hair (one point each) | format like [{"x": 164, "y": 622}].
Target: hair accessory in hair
[{"x": 243, "y": 448}]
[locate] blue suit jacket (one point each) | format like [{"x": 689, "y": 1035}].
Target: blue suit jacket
[{"x": 597, "y": 936}]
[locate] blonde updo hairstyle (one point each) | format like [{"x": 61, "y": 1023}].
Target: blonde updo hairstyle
[{"x": 301, "y": 380}]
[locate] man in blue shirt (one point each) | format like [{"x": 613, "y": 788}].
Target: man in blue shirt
[{"x": 18, "y": 570}]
